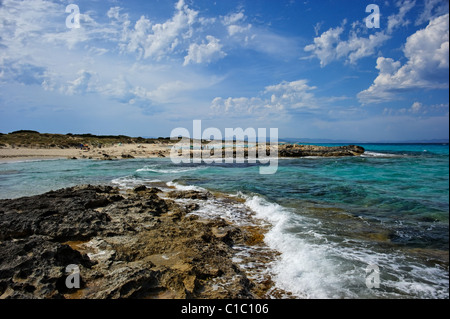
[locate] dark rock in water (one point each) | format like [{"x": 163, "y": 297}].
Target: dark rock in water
[
  {"x": 188, "y": 194},
  {"x": 294, "y": 150},
  {"x": 125, "y": 244},
  {"x": 141, "y": 188}
]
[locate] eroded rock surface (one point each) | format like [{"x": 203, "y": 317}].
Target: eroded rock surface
[
  {"x": 131, "y": 244},
  {"x": 294, "y": 150}
]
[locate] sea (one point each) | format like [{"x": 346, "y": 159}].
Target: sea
[{"x": 372, "y": 226}]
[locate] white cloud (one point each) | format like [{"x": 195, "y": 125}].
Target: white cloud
[
  {"x": 416, "y": 107},
  {"x": 397, "y": 20},
  {"x": 237, "y": 106},
  {"x": 233, "y": 18},
  {"x": 324, "y": 47},
  {"x": 329, "y": 46},
  {"x": 234, "y": 29},
  {"x": 234, "y": 23},
  {"x": 205, "y": 52},
  {"x": 432, "y": 9},
  {"x": 157, "y": 40},
  {"x": 317, "y": 28},
  {"x": 82, "y": 84},
  {"x": 293, "y": 95},
  {"x": 427, "y": 67},
  {"x": 275, "y": 99},
  {"x": 357, "y": 47}
]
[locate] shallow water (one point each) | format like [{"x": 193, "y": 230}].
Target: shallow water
[{"x": 330, "y": 218}]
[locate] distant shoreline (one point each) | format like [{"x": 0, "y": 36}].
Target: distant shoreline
[
  {"x": 31, "y": 145},
  {"x": 124, "y": 151}
]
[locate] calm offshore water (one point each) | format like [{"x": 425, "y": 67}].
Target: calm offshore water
[{"x": 330, "y": 217}]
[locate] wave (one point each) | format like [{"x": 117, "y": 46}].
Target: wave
[
  {"x": 185, "y": 188},
  {"x": 129, "y": 182},
  {"x": 155, "y": 169},
  {"x": 314, "y": 265},
  {"x": 302, "y": 267},
  {"x": 376, "y": 154},
  {"x": 15, "y": 161}
]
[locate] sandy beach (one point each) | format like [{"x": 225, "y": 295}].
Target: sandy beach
[{"x": 117, "y": 151}]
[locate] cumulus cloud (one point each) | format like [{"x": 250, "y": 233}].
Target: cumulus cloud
[
  {"x": 294, "y": 95},
  {"x": 324, "y": 47},
  {"x": 235, "y": 23},
  {"x": 329, "y": 46},
  {"x": 357, "y": 48},
  {"x": 416, "y": 107},
  {"x": 156, "y": 40},
  {"x": 336, "y": 44},
  {"x": 427, "y": 66},
  {"x": 205, "y": 52},
  {"x": 275, "y": 99}
]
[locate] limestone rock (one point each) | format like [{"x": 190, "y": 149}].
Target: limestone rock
[
  {"x": 294, "y": 150},
  {"x": 126, "y": 244}
]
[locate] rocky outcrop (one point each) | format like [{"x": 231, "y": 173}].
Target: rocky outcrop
[
  {"x": 126, "y": 244},
  {"x": 284, "y": 150},
  {"x": 294, "y": 150}
]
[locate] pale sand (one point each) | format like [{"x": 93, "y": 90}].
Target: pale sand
[
  {"x": 8, "y": 154},
  {"x": 114, "y": 152}
]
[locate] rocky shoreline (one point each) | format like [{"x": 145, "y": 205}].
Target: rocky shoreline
[
  {"x": 295, "y": 150},
  {"x": 130, "y": 151},
  {"x": 140, "y": 243}
]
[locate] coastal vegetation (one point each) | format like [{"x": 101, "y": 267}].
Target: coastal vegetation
[{"x": 34, "y": 139}]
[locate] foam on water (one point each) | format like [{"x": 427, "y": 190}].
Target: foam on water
[
  {"x": 128, "y": 182},
  {"x": 313, "y": 266},
  {"x": 398, "y": 190},
  {"x": 156, "y": 169},
  {"x": 376, "y": 154},
  {"x": 185, "y": 188},
  {"x": 302, "y": 266}
]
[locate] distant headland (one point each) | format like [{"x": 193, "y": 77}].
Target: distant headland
[{"x": 28, "y": 144}]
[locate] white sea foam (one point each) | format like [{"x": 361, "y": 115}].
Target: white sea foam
[
  {"x": 312, "y": 266},
  {"x": 303, "y": 268},
  {"x": 376, "y": 154},
  {"x": 155, "y": 169},
  {"x": 185, "y": 187},
  {"x": 129, "y": 182}
]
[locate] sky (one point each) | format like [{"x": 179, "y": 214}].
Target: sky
[{"x": 313, "y": 69}]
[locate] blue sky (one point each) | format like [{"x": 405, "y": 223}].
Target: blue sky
[{"x": 312, "y": 69}]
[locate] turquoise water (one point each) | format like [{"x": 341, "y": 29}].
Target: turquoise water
[{"x": 330, "y": 217}]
